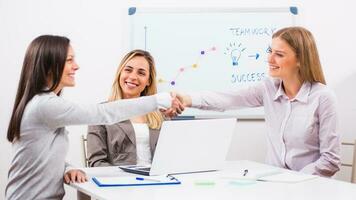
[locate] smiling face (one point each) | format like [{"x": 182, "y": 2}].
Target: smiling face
[
  {"x": 282, "y": 60},
  {"x": 134, "y": 77},
  {"x": 68, "y": 76}
]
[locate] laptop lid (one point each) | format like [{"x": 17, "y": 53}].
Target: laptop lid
[{"x": 192, "y": 146}]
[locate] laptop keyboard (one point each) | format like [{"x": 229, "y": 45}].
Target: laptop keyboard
[{"x": 145, "y": 168}]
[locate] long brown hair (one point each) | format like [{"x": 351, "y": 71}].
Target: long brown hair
[
  {"x": 154, "y": 119},
  {"x": 44, "y": 59},
  {"x": 302, "y": 42}
]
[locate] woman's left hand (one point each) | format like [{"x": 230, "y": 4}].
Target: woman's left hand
[{"x": 75, "y": 175}]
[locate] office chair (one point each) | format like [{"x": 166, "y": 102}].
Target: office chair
[
  {"x": 353, "y": 164},
  {"x": 85, "y": 150}
]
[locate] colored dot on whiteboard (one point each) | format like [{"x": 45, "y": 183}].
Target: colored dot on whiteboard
[
  {"x": 181, "y": 69},
  {"x": 173, "y": 82},
  {"x": 194, "y": 65},
  {"x": 160, "y": 80},
  {"x": 213, "y": 49},
  {"x": 202, "y": 52}
]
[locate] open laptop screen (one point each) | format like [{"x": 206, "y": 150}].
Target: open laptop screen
[{"x": 190, "y": 146}]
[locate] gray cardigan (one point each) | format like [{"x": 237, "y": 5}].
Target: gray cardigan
[
  {"x": 38, "y": 163},
  {"x": 115, "y": 144}
]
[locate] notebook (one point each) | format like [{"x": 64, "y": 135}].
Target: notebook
[
  {"x": 189, "y": 146},
  {"x": 288, "y": 177},
  {"x": 271, "y": 175},
  {"x": 134, "y": 181}
]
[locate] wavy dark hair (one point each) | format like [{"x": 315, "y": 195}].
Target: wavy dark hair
[{"x": 44, "y": 61}]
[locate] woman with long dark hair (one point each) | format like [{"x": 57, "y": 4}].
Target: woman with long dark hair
[{"x": 37, "y": 125}]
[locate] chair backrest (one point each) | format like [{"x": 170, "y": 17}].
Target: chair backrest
[
  {"x": 353, "y": 164},
  {"x": 85, "y": 150}
]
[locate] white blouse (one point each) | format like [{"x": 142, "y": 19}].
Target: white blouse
[{"x": 144, "y": 156}]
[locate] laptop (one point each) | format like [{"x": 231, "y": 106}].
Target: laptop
[{"x": 189, "y": 146}]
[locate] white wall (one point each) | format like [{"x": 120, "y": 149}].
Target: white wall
[{"x": 98, "y": 33}]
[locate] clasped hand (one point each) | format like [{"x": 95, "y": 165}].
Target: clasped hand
[{"x": 179, "y": 102}]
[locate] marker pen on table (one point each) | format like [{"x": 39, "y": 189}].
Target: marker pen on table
[
  {"x": 147, "y": 179},
  {"x": 245, "y": 172}
]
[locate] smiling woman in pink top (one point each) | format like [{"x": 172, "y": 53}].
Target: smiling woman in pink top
[{"x": 300, "y": 110}]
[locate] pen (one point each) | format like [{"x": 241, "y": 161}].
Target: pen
[
  {"x": 245, "y": 172},
  {"x": 147, "y": 179},
  {"x": 172, "y": 177}
]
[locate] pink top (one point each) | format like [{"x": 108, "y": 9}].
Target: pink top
[{"x": 301, "y": 132}]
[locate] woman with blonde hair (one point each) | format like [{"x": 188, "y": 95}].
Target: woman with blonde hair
[
  {"x": 300, "y": 110},
  {"x": 132, "y": 141}
]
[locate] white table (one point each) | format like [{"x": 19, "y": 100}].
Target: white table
[{"x": 222, "y": 189}]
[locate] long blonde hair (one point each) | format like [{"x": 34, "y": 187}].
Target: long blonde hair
[
  {"x": 302, "y": 42},
  {"x": 154, "y": 119}
]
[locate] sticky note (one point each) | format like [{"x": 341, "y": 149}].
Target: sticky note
[{"x": 204, "y": 183}]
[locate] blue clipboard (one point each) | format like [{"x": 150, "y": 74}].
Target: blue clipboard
[{"x": 135, "y": 181}]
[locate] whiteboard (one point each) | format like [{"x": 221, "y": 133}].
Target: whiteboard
[{"x": 208, "y": 49}]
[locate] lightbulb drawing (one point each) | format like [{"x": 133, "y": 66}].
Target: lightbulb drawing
[
  {"x": 235, "y": 57},
  {"x": 234, "y": 51}
]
